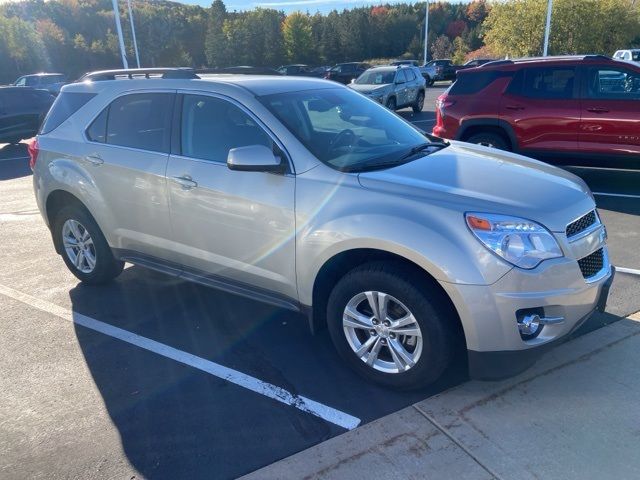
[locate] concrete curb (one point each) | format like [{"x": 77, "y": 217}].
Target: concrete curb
[{"x": 495, "y": 429}]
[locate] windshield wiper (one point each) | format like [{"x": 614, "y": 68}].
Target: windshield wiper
[{"x": 419, "y": 148}]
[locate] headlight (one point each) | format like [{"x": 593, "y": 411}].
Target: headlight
[{"x": 520, "y": 242}]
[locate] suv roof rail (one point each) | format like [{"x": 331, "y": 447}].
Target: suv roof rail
[
  {"x": 597, "y": 57},
  {"x": 181, "y": 72},
  {"x": 496, "y": 62}
]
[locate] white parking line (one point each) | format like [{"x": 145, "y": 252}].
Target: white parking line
[
  {"x": 623, "y": 195},
  {"x": 13, "y": 158},
  {"x": 631, "y": 271},
  {"x": 274, "y": 392}
]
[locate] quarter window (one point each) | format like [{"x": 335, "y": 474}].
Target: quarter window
[
  {"x": 141, "y": 121},
  {"x": 613, "y": 83},
  {"x": 212, "y": 126},
  {"x": 97, "y": 132}
]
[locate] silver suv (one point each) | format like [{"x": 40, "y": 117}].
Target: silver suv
[
  {"x": 394, "y": 86},
  {"x": 305, "y": 194}
]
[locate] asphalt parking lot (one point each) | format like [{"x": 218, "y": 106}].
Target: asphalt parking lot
[{"x": 155, "y": 377}]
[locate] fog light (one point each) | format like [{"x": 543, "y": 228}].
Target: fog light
[{"x": 529, "y": 325}]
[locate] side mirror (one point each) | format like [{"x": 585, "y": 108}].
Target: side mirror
[{"x": 254, "y": 158}]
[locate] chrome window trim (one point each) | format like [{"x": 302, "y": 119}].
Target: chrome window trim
[{"x": 247, "y": 111}]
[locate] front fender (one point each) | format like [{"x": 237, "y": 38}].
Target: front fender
[{"x": 435, "y": 239}]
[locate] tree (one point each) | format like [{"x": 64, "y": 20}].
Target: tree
[
  {"x": 215, "y": 44},
  {"x": 516, "y": 27},
  {"x": 460, "y": 50},
  {"x": 442, "y": 47},
  {"x": 296, "y": 30}
]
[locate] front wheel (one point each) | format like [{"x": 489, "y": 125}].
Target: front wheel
[
  {"x": 85, "y": 251},
  {"x": 388, "y": 330}
]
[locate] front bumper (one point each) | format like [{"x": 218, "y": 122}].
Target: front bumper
[
  {"x": 507, "y": 363},
  {"x": 488, "y": 314}
]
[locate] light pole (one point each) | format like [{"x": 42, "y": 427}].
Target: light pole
[
  {"x": 116, "y": 11},
  {"x": 547, "y": 28},
  {"x": 133, "y": 33},
  {"x": 426, "y": 30}
]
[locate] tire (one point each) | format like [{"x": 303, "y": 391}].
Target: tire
[
  {"x": 391, "y": 104},
  {"x": 105, "y": 267},
  {"x": 419, "y": 105},
  {"x": 432, "y": 350},
  {"x": 489, "y": 139}
]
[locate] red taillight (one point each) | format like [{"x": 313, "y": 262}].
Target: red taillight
[
  {"x": 443, "y": 103},
  {"x": 33, "y": 150}
]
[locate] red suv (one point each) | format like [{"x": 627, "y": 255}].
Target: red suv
[{"x": 563, "y": 110}]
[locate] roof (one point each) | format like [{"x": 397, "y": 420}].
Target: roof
[
  {"x": 560, "y": 59},
  {"x": 42, "y": 74}
]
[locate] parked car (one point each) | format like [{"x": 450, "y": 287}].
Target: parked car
[
  {"x": 560, "y": 109},
  {"x": 395, "y": 87},
  {"x": 405, "y": 246},
  {"x": 632, "y": 55},
  {"x": 476, "y": 62},
  {"x": 22, "y": 110},
  {"x": 444, "y": 69},
  {"x": 301, "y": 70},
  {"x": 52, "y": 82},
  {"x": 346, "y": 72}
]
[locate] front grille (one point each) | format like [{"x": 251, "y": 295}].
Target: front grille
[
  {"x": 581, "y": 224},
  {"x": 592, "y": 264}
]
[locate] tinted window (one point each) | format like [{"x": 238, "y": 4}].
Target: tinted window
[
  {"x": 410, "y": 75},
  {"x": 32, "y": 81},
  {"x": 472, "y": 82},
  {"x": 613, "y": 83},
  {"x": 348, "y": 68},
  {"x": 141, "y": 121},
  {"x": 64, "y": 106},
  {"x": 21, "y": 82},
  {"x": 552, "y": 83},
  {"x": 211, "y": 127},
  {"x": 97, "y": 132},
  {"x": 401, "y": 77}
]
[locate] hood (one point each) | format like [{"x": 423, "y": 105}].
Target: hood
[
  {"x": 369, "y": 89},
  {"x": 467, "y": 177}
]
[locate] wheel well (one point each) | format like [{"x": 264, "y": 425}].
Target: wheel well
[
  {"x": 339, "y": 265},
  {"x": 57, "y": 200},
  {"x": 475, "y": 129}
]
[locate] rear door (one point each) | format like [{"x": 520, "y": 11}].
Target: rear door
[
  {"x": 401, "y": 88},
  {"x": 229, "y": 225},
  {"x": 542, "y": 107},
  {"x": 126, "y": 155},
  {"x": 610, "y": 122}
]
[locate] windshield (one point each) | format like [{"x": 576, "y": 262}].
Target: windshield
[
  {"x": 345, "y": 130},
  {"x": 376, "y": 77}
]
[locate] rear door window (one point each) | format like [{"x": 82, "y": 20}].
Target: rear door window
[
  {"x": 473, "y": 82},
  {"x": 64, "y": 106},
  {"x": 142, "y": 121},
  {"x": 548, "y": 82}
]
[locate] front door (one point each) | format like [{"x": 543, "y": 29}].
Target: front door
[
  {"x": 610, "y": 121},
  {"x": 228, "y": 224}
]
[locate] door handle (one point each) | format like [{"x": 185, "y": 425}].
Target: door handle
[
  {"x": 94, "y": 160},
  {"x": 514, "y": 107},
  {"x": 185, "y": 182},
  {"x": 598, "y": 110}
]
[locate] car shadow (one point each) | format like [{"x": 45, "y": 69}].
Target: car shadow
[
  {"x": 14, "y": 161},
  {"x": 178, "y": 422}
]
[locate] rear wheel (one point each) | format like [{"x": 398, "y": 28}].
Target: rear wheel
[
  {"x": 84, "y": 248},
  {"x": 419, "y": 104},
  {"x": 387, "y": 329},
  {"x": 489, "y": 139},
  {"x": 391, "y": 104}
]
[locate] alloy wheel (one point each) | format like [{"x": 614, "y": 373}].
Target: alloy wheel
[
  {"x": 78, "y": 246},
  {"x": 382, "y": 332}
]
